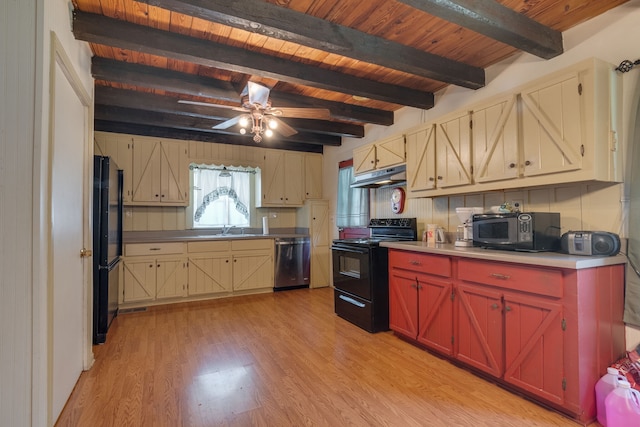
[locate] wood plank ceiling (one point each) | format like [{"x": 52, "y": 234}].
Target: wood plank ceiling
[{"x": 361, "y": 60}]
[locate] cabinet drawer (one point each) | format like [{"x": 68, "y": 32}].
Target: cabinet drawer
[
  {"x": 135, "y": 249},
  {"x": 543, "y": 281},
  {"x": 209, "y": 246},
  {"x": 251, "y": 244},
  {"x": 424, "y": 263}
]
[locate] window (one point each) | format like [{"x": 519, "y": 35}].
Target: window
[
  {"x": 353, "y": 203},
  {"x": 221, "y": 196}
]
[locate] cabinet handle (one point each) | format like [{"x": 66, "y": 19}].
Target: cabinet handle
[
  {"x": 414, "y": 262},
  {"x": 500, "y": 276},
  {"x": 157, "y": 195},
  {"x": 227, "y": 261},
  {"x": 158, "y": 265},
  {"x": 527, "y": 163},
  {"x": 494, "y": 306},
  {"x": 150, "y": 265},
  {"x": 431, "y": 179},
  {"x": 507, "y": 308},
  {"x": 154, "y": 249},
  {"x": 414, "y": 286},
  {"x": 512, "y": 165},
  {"x": 439, "y": 178}
]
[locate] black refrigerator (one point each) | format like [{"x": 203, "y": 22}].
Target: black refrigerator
[{"x": 107, "y": 243}]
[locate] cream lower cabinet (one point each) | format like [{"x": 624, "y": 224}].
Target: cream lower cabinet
[
  {"x": 149, "y": 278},
  {"x": 253, "y": 264},
  {"x": 315, "y": 216},
  {"x": 209, "y": 267}
]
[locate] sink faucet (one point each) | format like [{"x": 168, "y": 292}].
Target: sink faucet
[{"x": 227, "y": 228}]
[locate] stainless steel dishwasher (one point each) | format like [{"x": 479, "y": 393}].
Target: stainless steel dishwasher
[{"x": 293, "y": 258}]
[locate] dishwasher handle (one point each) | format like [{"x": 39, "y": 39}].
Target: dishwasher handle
[{"x": 288, "y": 242}]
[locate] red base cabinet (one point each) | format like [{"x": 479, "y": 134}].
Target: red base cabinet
[{"x": 547, "y": 332}]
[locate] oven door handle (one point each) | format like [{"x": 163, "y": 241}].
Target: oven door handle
[
  {"x": 355, "y": 251},
  {"x": 352, "y": 301}
]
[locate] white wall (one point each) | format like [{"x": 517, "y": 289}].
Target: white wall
[
  {"x": 612, "y": 37},
  {"x": 25, "y": 376}
]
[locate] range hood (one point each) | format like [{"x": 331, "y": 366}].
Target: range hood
[{"x": 379, "y": 178}]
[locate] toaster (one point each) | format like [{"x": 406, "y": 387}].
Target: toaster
[{"x": 590, "y": 243}]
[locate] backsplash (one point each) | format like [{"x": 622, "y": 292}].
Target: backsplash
[{"x": 588, "y": 206}]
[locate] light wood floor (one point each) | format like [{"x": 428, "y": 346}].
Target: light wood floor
[{"x": 281, "y": 359}]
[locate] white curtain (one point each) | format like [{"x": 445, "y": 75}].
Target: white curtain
[
  {"x": 632, "y": 289},
  {"x": 221, "y": 200},
  {"x": 353, "y": 203}
]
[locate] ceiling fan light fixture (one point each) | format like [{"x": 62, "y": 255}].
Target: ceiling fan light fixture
[
  {"x": 244, "y": 121},
  {"x": 243, "y": 131},
  {"x": 273, "y": 124},
  {"x": 268, "y": 133}
]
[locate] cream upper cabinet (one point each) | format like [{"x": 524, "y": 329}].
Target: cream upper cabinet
[
  {"x": 120, "y": 148},
  {"x": 312, "y": 176},
  {"x": 496, "y": 140},
  {"x": 160, "y": 172},
  {"x": 421, "y": 165},
  {"x": 379, "y": 155},
  {"x": 439, "y": 155},
  {"x": 282, "y": 179},
  {"x": 453, "y": 150}
]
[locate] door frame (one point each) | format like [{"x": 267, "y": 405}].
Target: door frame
[{"x": 59, "y": 58}]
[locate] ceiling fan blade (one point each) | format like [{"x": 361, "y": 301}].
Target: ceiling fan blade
[
  {"x": 305, "y": 113},
  {"x": 283, "y": 128},
  {"x": 227, "y": 123},
  {"x": 258, "y": 94}
]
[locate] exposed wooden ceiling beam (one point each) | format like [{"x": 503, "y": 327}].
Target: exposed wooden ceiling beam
[
  {"x": 151, "y": 118},
  {"x": 114, "y": 97},
  {"x": 206, "y": 87},
  {"x": 258, "y": 16},
  {"x": 99, "y": 29},
  {"x": 491, "y": 19},
  {"x": 163, "y": 132}
]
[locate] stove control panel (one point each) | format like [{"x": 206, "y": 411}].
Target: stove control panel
[{"x": 392, "y": 222}]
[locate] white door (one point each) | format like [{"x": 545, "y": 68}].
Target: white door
[{"x": 68, "y": 219}]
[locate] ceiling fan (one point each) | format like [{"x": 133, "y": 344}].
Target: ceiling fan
[{"x": 259, "y": 117}]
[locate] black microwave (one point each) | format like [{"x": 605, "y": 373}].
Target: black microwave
[{"x": 517, "y": 231}]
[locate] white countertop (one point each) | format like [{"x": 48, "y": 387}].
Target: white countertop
[{"x": 548, "y": 259}]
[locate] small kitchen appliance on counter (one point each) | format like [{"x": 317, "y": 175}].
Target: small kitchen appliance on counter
[
  {"x": 517, "y": 231},
  {"x": 464, "y": 236},
  {"x": 590, "y": 243}
]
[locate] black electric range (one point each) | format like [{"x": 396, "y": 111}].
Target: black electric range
[{"x": 361, "y": 274}]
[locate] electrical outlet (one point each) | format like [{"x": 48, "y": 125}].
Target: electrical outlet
[{"x": 518, "y": 205}]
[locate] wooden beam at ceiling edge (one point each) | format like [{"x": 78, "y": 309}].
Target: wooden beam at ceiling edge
[
  {"x": 99, "y": 29},
  {"x": 114, "y": 97},
  {"x": 206, "y": 87},
  {"x": 150, "y": 118},
  {"x": 258, "y": 16},
  {"x": 492, "y": 19},
  {"x": 162, "y": 132}
]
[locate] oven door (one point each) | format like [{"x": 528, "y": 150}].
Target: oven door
[{"x": 351, "y": 266}]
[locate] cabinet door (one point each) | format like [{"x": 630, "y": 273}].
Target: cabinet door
[
  {"x": 421, "y": 150},
  {"x": 453, "y": 151},
  {"x": 171, "y": 278},
  {"x": 174, "y": 172},
  {"x": 534, "y": 349},
  {"x": 320, "y": 267},
  {"x": 479, "y": 332},
  {"x": 496, "y": 140},
  {"x": 252, "y": 271},
  {"x": 119, "y": 148},
  {"x": 403, "y": 303},
  {"x": 364, "y": 158},
  {"x": 313, "y": 176},
  {"x": 435, "y": 313},
  {"x": 551, "y": 126},
  {"x": 390, "y": 152},
  {"x": 146, "y": 171},
  {"x": 273, "y": 178},
  {"x": 293, "y": 179},
  {"x": 209, "y": 273},
  {"x": 139, "y": 280}
]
